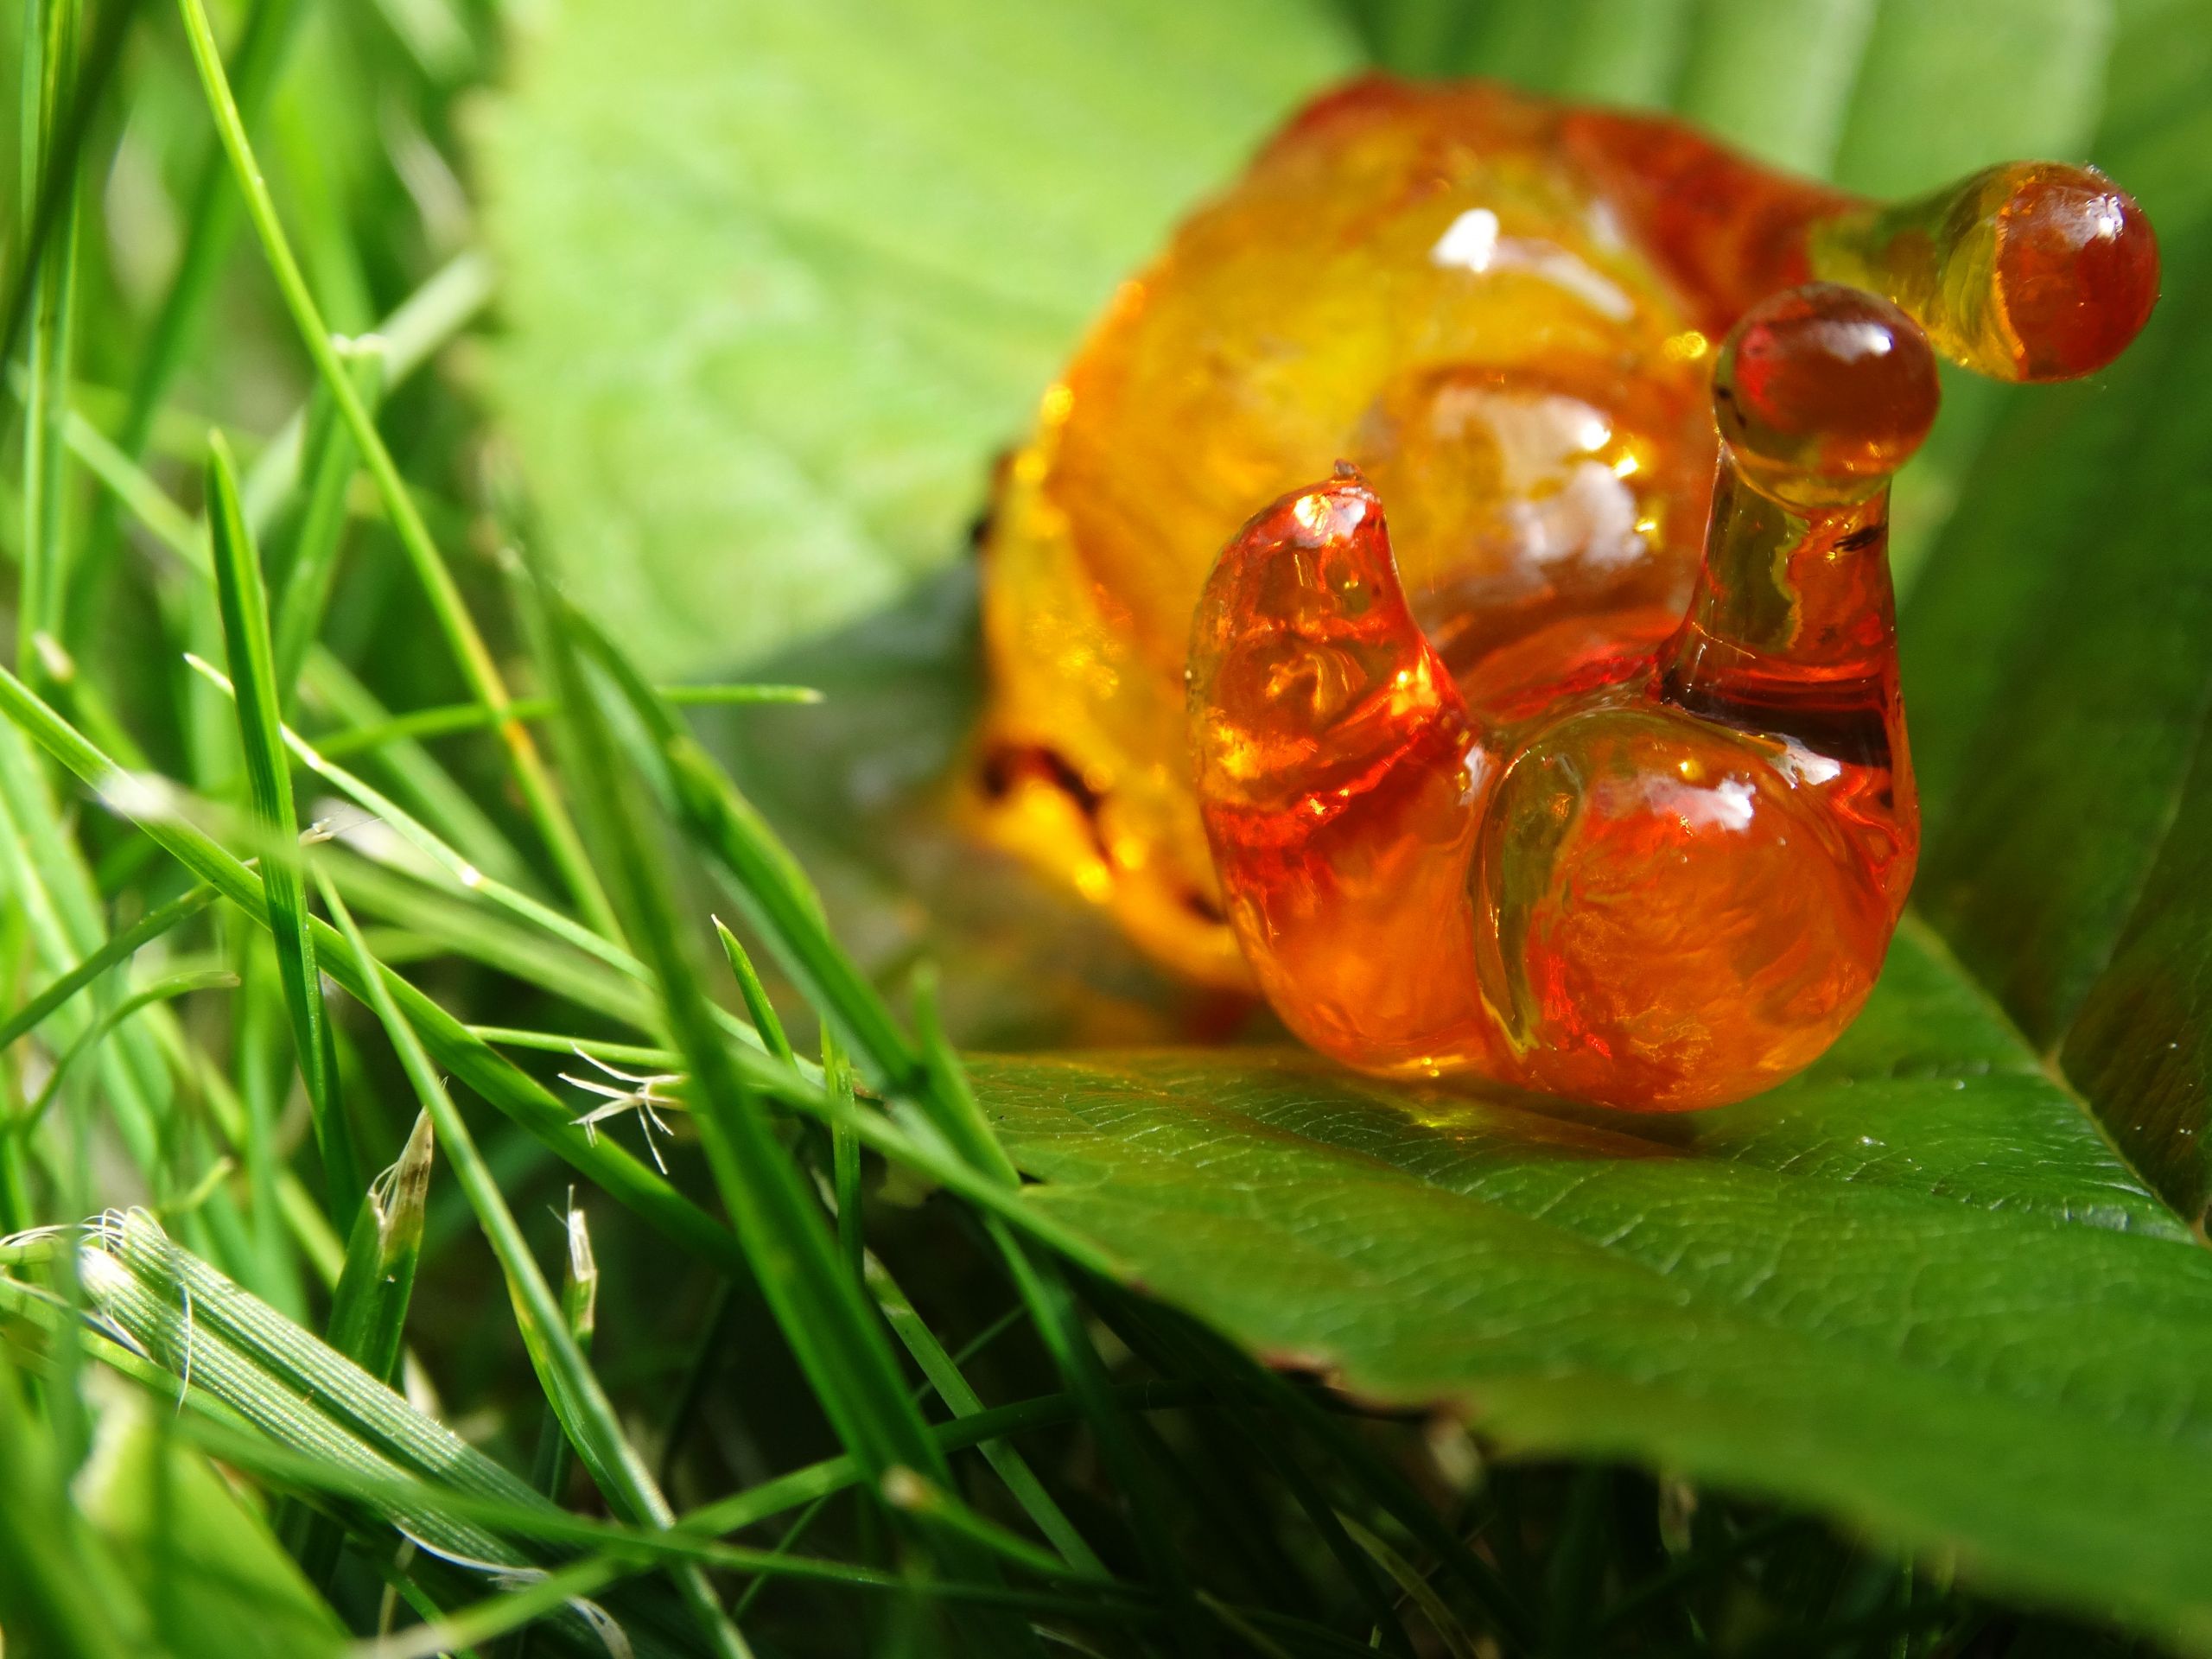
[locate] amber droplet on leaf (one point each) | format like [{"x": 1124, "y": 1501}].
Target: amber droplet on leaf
[{"x": 1545, "y": 726}]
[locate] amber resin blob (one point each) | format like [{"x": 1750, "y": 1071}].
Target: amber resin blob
[{"x": 1545, "y": 726}]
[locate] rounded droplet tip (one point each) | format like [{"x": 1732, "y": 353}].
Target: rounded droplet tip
[
  {"x": 2077, "y": 270},
  {"x": 1826, "y": 384}
]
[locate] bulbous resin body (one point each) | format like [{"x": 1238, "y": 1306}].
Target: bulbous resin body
[{"x": 1588, "y": 773}]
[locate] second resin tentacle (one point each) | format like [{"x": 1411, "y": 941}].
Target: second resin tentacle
[{"x": 1339, "y": 780}]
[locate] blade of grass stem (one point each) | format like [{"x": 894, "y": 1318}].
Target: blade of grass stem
[
  {"x": 245, "y": 631},
  {"x": 580, "y": 1309},
  {"x": 47, "y": 875},
  {"x": 1417, "y": 1590},
  {"x": 905, "y": 1491},
  {"x": 210, "y": 222},
  {"x": 467, "y": 879},
  {"x": 119, "y": 948},
  {"x": 1051, "y": 1308},
  {"x": 783, "y": 1546},
  {"x": 368, "y": 1307},
  {"x": 368, "y": 1311},
  {"x": 261, "y": 1060},
  {"x": 313, "y": 565},
  {"x": 766, "y": 879},
  {"x": 556, "y": 1042},
  {"x": 448, "y": 301},
  {"x": 326, "y": 681},
  {"x": 216, "y": 1338},
  {"x": 455, "y": 922},
  {"x": 57, "y": 169},
  {"x": 757, "y": 1004},
  {"x": 511, "y": 1610},
  {"x": 1044, "y": 1290},
  {"x": 448, "y": 718},
  {"x": 332, "y": 687},
  {"x": 160, "y": 991},
  {"x": 477, "y": 1063},
  {"x": 944, "y": 1376},
  {"x": 844, "y": 1153},
  {"x": 819, "y": 1307},
  {"x": 473, "y": 657},
  {"x": 50, "y": 62},
  {"x": 571, "y": 1386}
]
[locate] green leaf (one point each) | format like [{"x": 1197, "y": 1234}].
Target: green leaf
[
  {"x": 2058, "y": 666},
  {"x": 783, "y": 278},
  {"x": 1918, "y": 1261}
]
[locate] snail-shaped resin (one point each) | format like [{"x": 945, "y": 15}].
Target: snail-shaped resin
[{"x": 1587, "y": 773}]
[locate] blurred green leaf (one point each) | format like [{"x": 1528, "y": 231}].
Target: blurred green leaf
[
  {"x": 215, "y": 1578},
  {"x": 781, "y": 279},
  {"x": 1885, "y": 96},
  {"x": 2059, "y": 669},
  {"x": 1914, "y": 1289}
]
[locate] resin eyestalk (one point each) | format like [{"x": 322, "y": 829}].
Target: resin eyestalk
[{"x": 2029, "y": 271}]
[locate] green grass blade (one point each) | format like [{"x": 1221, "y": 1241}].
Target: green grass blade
[
  {"x": 466, "y": 878},
  {"x": 210, "y": 222},
  {"x": 53, "y": 182},
  {"x": 844, "y": 1153},
  {"x": 161, "y": 990},
  {"x": 412, "y": 331},
  {"x": 57, "y": 1595},
  {"x": 368, "y": 1307},
  {"x": 313, "y": 565},
  {"x": 119, "y": 948},
  {"x": 756, "y": 999},
  {"x": 907, "y": 1491},
  {"x": 484, "y": 1070},
  {"x": 331, "y": 687},
  {"x": 474, "y": 658},
  {"x": 567, "y": 1377},
  {"x": 47, "y": 875},
  {"x": 580, "y": 1311},
  {"x": 944, "y": 1376},
  {"x": 469, "y": 1058},
  {"x": 783, "y": 903},
  {"x": 448, "y": 718},
  {"x": 368, "y": 1311},
  {"x": 40, "y": 641},
  {"x": 216, "y": 1338},
  {"x": 327, "y": 681},
  {"x": 245, "y": 630},
  {"x": 1418, "y": 1590},
  {"x": 819, "y": 1307}
]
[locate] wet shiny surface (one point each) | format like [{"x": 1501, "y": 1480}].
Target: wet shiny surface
[{"x": 1539, "y": 780}]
